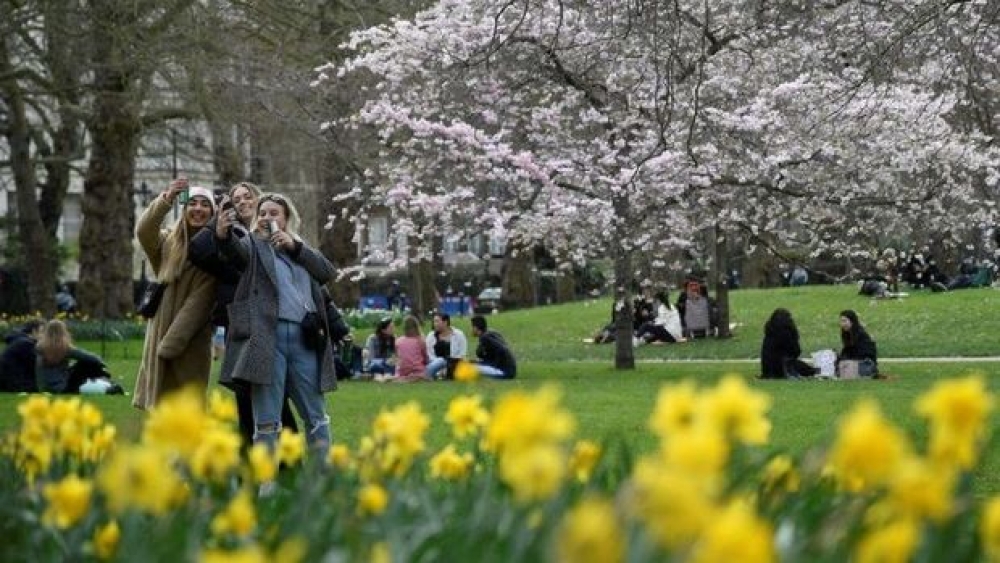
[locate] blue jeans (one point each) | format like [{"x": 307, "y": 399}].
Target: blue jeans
[
  {"x": 381, "y": 365},
  {"x": 296, "y": 367},
  {"x": 486, "y": 370},
  {"x": 436, "y": 365}
]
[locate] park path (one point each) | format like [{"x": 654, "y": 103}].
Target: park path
[{"x": 929, "y": 360}]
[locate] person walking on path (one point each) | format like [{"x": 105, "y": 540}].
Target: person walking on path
[{"x": 178, "y": 345}]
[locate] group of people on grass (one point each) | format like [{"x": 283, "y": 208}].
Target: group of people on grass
[
  {"x": 412, "y": 358},
  {"x": 655, "y": 320},
  {"x": 780, "y": 351}
]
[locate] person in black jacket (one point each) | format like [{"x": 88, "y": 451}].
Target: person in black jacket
[
  {"x": 857, "y": 344},
  {"x": 17, "y": 364},
  {"x": 779, "y": 353},
  {"x": 204, "y": 252},
  {"x": 495, "y": 358}
]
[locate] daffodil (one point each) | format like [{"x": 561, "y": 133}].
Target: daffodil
[
  {"x": 263, "y": 464},
  {"x": 221, "y": 406},
  {"x": 466, "y": 372},
  {"x": 867, "y": 450},
  {"x": 737, "y": 411},
  {"x": 989, "y": 528},
  {"x": 339, "y": 456},
  {"x": 142, "y": 478},
  {"x": 466, "y": 415},
  {"x": 105, "y": 540},
  {"x": 534, "y": 473},
  {"x": 894, "y": 542},
  {"x": 178, "y": 422},
  {"x": 584, "y": 457},
  {"x": 238, "y": 519},
  {"x": 450, "y": 465},
  {"x": 251, "y": 553},
  {"x": 523, "y": 421},
  {"x": 673, "y": 506},
  {"x": 217, "y": 456},
  {"x": 920, "y": 490},
  {"x": 676, "y": 406},
  {"x": 736, "y": 533},
  {"x": 68, "y": 501},
  {"x": 590, "y": 533},
  {"x": 291, "y": 447},
  {"x": 372, "y": 499}
]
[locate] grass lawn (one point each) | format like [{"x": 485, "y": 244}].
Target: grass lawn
[{"x": 615, "y": 405}]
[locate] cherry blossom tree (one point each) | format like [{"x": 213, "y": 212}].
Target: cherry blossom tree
[{"x": 613, "y": 128}]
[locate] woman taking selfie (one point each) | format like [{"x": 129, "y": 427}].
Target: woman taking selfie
[
  {"x": 178, "y": 347},
  {"x": 277, "y": 323}
]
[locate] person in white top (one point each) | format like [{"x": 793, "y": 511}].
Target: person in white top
[
  {"x": 666, "y": 327},
  {"x": 446, "y": 346}
]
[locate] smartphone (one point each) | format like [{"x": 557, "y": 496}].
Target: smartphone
[
  {"x": 272, "y": 226},
  {"x": 183, "y": 197},
  {"x": 227, "y": 205}
]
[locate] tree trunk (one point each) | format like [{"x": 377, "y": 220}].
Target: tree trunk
[
  {"x": 566, "y": 288},
  {"x": 423, "y": 294},
  {"x": 36, "y": 243},
  {"x": 337, "y": 243},
  {"x": 105, "y": 288},
  {"x": 624, "y": 354},
  {"x": 519, "y": 286},
  {"x": 721, "y": 246}
]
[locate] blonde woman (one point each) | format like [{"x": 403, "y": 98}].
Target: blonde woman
[
  {"x": 278, "y": 342},
  {"x": 178, "y": 347},
  {"x": 54, "y": 352}
]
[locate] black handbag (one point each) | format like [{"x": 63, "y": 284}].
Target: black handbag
[
  {"x": 313, "y": 332},
  {"x": 338, "y": 325},
  {"x": 151, "y": 297}
]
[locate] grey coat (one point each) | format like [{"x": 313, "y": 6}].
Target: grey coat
[{"x": 253, "y": 314}]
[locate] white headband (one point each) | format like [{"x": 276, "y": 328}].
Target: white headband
[{"x": 203, "y": 192}]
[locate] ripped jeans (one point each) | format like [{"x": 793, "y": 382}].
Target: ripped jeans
[{"x": 296, "y": 367}]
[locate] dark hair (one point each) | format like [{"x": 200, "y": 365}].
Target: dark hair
[
  {"x": 444, "y": 317},
  {"x": 31, "y": 325},
  {"x": 851, "y": 336},
  {"x": 781, "y": 320},
  {"x": 383, "y": 324},
  {"x": 663, "y": 296},
  {"x": 479, "y": 323}
]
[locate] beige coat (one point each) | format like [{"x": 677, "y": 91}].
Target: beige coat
[{"x": 178, "y": 346}]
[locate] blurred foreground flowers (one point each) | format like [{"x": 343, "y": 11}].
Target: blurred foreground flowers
[{"x": 516, "y": 483}]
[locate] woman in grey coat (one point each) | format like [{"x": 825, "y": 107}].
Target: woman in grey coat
[{"x": 269, "y": 338}]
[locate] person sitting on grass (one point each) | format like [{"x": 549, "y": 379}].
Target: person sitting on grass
[
  {"x": 698, "y": 311},
  {"x": 17, "y": 364},
  {"x": 858, "y": 345},
  {"x": 381, "y": 348},
  {"x": 665, "y": 327},
  {"x": 411, "y": 354},
  {"x": 779, "y": 353},
  {"x": 446, "y": 347},
  {"x": 495, "y": 359},
  {"x": 55, "y": 350}
]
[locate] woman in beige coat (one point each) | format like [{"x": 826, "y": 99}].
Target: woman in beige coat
[{"x": 178, "y": 347}]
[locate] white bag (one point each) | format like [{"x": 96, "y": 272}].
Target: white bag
[
  {"x": 826, "y": 362},
  {"x": 95, "y": 387}
]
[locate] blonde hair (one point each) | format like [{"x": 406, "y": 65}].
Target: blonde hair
[
  {"x": 173, "y": 255},
  {"x": 292, "y": 220},
  {"x": 411, "y": 326},
  {"x": 250, "y": 186},
  {"x": 55, "y": 342}
]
